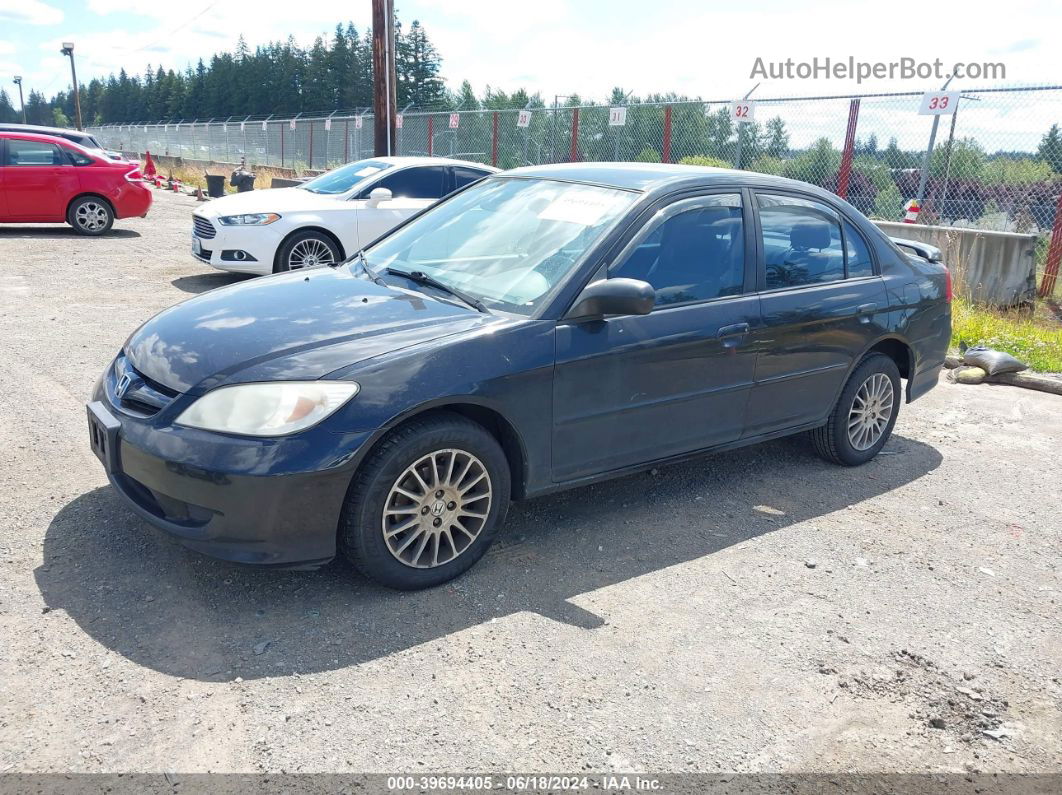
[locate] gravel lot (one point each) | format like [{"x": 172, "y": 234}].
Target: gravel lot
[{"x": 756, "y": 611}]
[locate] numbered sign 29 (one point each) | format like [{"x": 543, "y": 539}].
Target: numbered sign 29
[
  {"x": 938, "y": 103},
  {"x": 617, "y": 117},
  {"x": 742, "y": 110},
  {"x": 523, "y": 118},
  {"x": 455, "y": 120}
]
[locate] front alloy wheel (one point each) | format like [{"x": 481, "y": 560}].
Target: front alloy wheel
[
  {"x": 437, "y": 508},
  {"x": 307, "y": 249},
  {"x": 426, "y": 503}
]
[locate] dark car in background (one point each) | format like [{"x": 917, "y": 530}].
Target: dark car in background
[{"x": 544, "y": 328}]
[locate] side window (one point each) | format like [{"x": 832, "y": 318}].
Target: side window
[
  {"x": 856, "y": 252},
  {"x": 465, "y": 176},
  {"x": 801, "y": 241},
  {"x": 33, "y": 153},
  {"x": 419, "y": 182},
  {"x": 694, "y": 255}
]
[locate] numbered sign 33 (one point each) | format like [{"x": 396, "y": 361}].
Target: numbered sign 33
[
  {"x": 938, "y": 103},
  {"x": 743, "y": 110},
  {"x": 617, "y": 117},
  {"x": 455, "y": 120},
  {"x": 523, "y": 118}
]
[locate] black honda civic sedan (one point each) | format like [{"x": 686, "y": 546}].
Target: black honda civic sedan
[{"x": 541, "y": 329}]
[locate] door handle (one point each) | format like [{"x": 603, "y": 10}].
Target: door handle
[
  {"x": 867, "y": 309},
  {"x": 736, "y": 330}
]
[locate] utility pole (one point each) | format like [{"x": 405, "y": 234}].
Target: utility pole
[
  {"x": 22, "y": 104},
  {"x": 68, "y": 49},
  {"x": 383, "y": 76}
]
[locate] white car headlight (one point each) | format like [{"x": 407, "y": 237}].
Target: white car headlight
[
  {"x": 250, "y": 219},
  {"x": 267, "y": 409}
]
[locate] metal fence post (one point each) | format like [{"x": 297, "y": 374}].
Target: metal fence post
[
  {"x": 282, "y": 144},
  {"x": 494, "y": 142},
  {"x": 849, "y": 148},
  {"x": 575, "y": 136},
  {"x": 310, "y": 158},
  {"x": 665, "y": 149},
  {"x": 1054, "y": 254},
  {"x": 431, "y": 135}
]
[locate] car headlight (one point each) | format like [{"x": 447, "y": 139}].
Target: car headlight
[
  {"x": 278, "y": 408},
  {"x": 250, "y": 219}
]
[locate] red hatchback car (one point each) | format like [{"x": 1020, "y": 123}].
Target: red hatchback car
[{"x": 47, "y": 179}]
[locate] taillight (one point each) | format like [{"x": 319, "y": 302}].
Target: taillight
[{"x": 947, "y": 284}]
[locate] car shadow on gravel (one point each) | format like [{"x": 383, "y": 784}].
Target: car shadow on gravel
[
  {"x": 203, "y": 282},
  {"x": 58, "y": 232},
  {"x": 164, "y": 607}
]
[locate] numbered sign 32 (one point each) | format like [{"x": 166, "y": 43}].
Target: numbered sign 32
[
  {"x": 938, "y": 103},
  {"x": 742, "y": 110},
  {"x": 617, "y": 117},
  {"x": 455, "y": 120},
  {"x": 523, "y": 118}
]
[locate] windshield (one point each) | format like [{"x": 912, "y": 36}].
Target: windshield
[
  {"x": 507, "y": 242},
  {"x": 342, "y": 179}
]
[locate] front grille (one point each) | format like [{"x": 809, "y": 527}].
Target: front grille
[
  {"x": 142, "y": 396},
  {"x": 203, "y": 227}
]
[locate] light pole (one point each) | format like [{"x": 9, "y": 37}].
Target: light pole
[
  {"x": 18, "y": 82},
  {"x": 68, "y": 49}
]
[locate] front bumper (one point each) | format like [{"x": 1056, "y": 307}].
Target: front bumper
[
  {"x": 273, "y": 502},
  {"x": 260, "y": 242}
]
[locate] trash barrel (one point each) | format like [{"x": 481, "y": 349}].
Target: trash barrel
[
  {"x": 215, "y": 185},
  {"x": 245, "y": 182}
]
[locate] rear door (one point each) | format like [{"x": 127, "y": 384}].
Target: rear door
[
  {"x": 633, "y": 389},
  {"x": 412, "y": 189},
  {"x": 822, "y": 304},
  {"x": 39, "y": 181}
]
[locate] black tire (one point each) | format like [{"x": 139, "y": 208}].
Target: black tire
[
  {"x": 303, "y": 244},
  {"x": 361, "y": 527},
  {"x": 832, "y": 441},
  {"x": 90, "y": 215}
]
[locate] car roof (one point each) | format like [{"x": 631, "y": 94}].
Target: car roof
[
  {"x": 404, "y": 160},
  {"x": 45, "y": 138},
  {"x": 653, "y": 177},
  {"x": 36, "y": 128}
]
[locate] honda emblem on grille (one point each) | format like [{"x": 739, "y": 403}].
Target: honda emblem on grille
[{"x": 123, "y": 385}]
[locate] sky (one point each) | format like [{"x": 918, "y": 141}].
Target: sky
[{"x": 691, "y": 47}]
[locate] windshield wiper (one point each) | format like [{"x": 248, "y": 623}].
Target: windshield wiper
[{"x": 420, "y": 277}]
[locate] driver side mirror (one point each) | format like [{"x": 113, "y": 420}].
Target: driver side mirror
[
  {"x": 613, "y": 297},
  {"x": 377, "y": 195}
]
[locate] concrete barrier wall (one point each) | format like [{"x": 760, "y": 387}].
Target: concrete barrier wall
[{"x": 996, "y": 268}]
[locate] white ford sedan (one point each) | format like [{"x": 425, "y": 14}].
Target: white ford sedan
[{"x": 326, "y": 219}]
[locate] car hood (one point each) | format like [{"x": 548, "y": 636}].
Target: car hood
[
  {"x": 293, "y": 326},
  {"x": 270, "y": 200}
]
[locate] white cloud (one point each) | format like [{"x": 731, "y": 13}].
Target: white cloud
[{"x": 30, "y": 12}]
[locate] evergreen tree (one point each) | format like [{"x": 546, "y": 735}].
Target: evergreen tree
[
  {"x": 1050, "y": 149},
  {"x": 777, "y": 143}
]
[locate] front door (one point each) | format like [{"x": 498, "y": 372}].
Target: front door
[
  {"x": 822, "y": 305},
  {"x": 633, "y": 389},
  {"x": 39, "y": 181},
  {"x": 412, "y": 189}
]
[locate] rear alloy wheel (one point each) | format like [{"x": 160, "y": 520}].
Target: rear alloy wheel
[
  {"x": 307, "y": 250},
  {"x": 862, "y": 421},
  {"x": 90, "y": 216},
  {"x": 427, "y": 503}
]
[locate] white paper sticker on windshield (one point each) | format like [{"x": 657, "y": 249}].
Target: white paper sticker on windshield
[
  {"x": 578, "y": 207},
  {"x": 367, "y": 171}
]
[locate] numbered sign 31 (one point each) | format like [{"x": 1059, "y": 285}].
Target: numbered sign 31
[
  {"x": 938, "y": 103},
  {"x": 523, "y": 118},
  {"x": 455, "y": 120},
  {"x": 742, "y": 110},
  {"x": 617, "y": 117}
]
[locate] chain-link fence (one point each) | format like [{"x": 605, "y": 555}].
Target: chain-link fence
[{"x": 996, "y": 162}]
